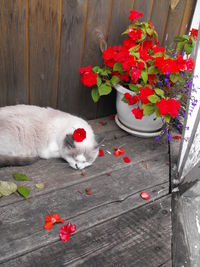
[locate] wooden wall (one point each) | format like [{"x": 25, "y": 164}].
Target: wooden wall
[{"x": 44, "y": 42}]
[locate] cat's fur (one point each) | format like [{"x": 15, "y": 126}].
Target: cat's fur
[{"x": 30, "y": 132}]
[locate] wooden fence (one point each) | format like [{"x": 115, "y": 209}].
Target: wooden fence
[{"x": 44, "y": 42}]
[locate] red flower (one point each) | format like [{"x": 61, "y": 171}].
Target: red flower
[
  {"x": 135, "y": 34},
  {"x": 66, "y": 231},
  {"x": 79, "y": 135},
  {"x": 85, "y": 69},
  {"x": 144, "y": 93},
  {"x": 51, "y": 219},
  {"x": 126, "y": 159},
  {"x": 89, "y": 79},
  {"x": 133, "y": 100},
  {"x": 147, "y": 44},
  {"x": 138, "y": 113},
  {"x": 169, "y": 106},
  {"x": 134, "y": 15},
  {"x": 135, "y": 74},
  {"x": 128, "y": 43},
  {"x": 189, "y": 64},
  {"x": 101, "y": 153},
  {"x": 127, "y": 96},
  {"x": 157, "y": 49},
  {"x": 194, "y": 33},
  {"x": 140, "y": 65},
  {"x": 118, "y": 152}
]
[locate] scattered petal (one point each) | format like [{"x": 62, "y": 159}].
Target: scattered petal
[
  {"x": 88, "y": 191},
  {"x": 66, "y": 231},
  {"x": 83, "y": 173},
  {"x": 51, "y": 219},
  {"x": 101, "y": 153},
  {"x": 39, "y": 186},
  {"x": 103, "y": 123},
  {"x": 126, "y": 159},
  {"x": 108, "y": 174},
  {"x": 177, "y": 137},
  {"x": 7, "y": 188},
  {"x": 112, "y": 117},
  {"x": 118, "y": 152},
  {"x": 145, "y": 195}
]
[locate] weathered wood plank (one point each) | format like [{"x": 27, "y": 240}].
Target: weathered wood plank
[
  {"x": 175, "y": 18},
  {"x": 159, "y": 16},
  {"x": 97, "y": 20},
  {"x": 45, "y": 20},
  {"x": 59, "y": 174},
  {"x": 13, "y": 52},
  {"x": 144, "y": 6},
  {"x": 118, "y": 24},
  {"x": 189, "y": 10},
  {"x": 139, "y": 238},
  {"x": 73, "y": 18}
]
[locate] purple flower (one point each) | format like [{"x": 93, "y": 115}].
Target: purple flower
[
  {"x": 157, "y": 138},
  {"x": 183, "y": 113},
  {"x": 169, "y": 137},
  {"x": 182, "y": 75},
  {"x": 178, "y": 126}
]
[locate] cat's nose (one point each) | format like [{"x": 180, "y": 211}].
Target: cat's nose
[{"x": 76, "y": 166}]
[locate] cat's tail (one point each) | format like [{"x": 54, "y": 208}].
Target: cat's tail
[{"x": 6, "y": 161}]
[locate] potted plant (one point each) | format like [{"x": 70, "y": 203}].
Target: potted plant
[{"x": 152, "y": 83}]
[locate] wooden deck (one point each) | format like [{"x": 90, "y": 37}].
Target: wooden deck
[{"x": 115, "y": 226}]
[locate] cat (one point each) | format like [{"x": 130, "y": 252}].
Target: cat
[{"x": 28, "y": 133}]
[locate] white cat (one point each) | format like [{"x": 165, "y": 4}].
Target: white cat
[{"x": 28, "y": 133}]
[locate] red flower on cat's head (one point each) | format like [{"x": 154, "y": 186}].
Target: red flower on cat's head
[{"x": 79, "y": 135}]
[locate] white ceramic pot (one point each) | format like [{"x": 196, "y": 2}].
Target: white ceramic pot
[{"x": 148, "y": 126}]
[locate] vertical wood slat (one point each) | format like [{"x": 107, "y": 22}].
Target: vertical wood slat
[
  {"x": 174, "y": 23},
  {"x": 73, "y": 19},
  {"x": 118, "y": 24},
  {"x": 144, "y": 6},
  {"x": 187, "y": 16},
  {"x": 159, "y": 16},
  {"x": 13, "y": 52},
  {"x": 98, "y": 19},
  {"x": 44, "y": 48}
]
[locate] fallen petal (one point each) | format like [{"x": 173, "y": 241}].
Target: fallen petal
[
  {"x": 126, "y": 159},
  {"x": 145, "y": 195}
]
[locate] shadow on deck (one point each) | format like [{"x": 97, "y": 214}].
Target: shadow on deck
[{"x": 115, "y": 226}]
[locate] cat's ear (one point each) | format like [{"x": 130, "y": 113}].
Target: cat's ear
[
  {"x": 69, "y": 141},
  {"x": 99, "y": 139}
]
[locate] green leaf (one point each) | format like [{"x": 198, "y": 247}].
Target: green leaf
[
  {"x": 174, "y": 77},
  {"x": 118, "y": 67},
  {"x": 115, "y": 80},
  {"x": 153, "y": 98},
  {"x": 148, "y": 109},
  {"x": 159, "y": 54},
  {"x": 153, "y": 70},
  {"x": 39, "y": 186},
  {"x": 20, "y": 176},
  {"x": 167, "y": 118},
  {"x": 157, "y": 112},
  {"x": 7, "y": 188},
  {"x": 95, "y": 95},
  {"x": 144, "y": 75},
  {"x": 23, "y": 191},
  {"x": 186, "y": 37},
  {"x": 104, "y": 89},
  {"x": 159, "y": 92},
  {"x": 99, "y": 81},
  {"x": 178, "y": 39},
  {"x": 133, "y": 53},
  {"x": 150, "y": 31},
  {"x": 188, "y": 49},
  {"x": 134, "y": 87},
  {"x": 124, "y": 100},
  {"x": 180, "y": 46},
  {"x": 96, "y": 69}
]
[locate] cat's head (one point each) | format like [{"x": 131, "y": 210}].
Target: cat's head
[{"x": 81, "y": 155}]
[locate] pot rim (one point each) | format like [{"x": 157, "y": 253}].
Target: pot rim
[{"x": 121, "y": 89}]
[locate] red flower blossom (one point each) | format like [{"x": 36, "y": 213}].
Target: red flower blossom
[
  {"x": 144, "y": 93},
  {"x": 138, "y": 113},
  {"x": 66, "y": 231},
  {"x": 134, "y": 15},
  {"x": 133, "y": 100},
  {"x": 189, "y": 64},
  {"x": 135, "y": 34},
  {"x": 118, "y": 152},
  {"x": 79, "y": 135},
  {"x": 126, "y": 159},
  {"x": 101, "y": 153},
  {"x": 51, "y": 219},
  {"x": 194, "y": 33},
  {"x": 128, "y": 43},
  {"x": 89, "y": 79},
  {"x": 85, "y": 69},
  {"x": 135, "y": 74},
  {"x": 169, "y": 106},
  {"x": 147, "y": 44},
  {"x": 127, "y": 96},
  {"x": 140, "y": 65},
  {"x": 157, "y": 49},
  {"x": 152, "y": 79}
]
